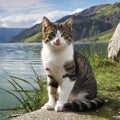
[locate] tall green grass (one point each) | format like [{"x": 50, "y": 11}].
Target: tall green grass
[{"x": 29, "y": 99}]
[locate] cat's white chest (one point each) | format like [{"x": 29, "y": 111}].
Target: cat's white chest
[{"x": 55, "y": 61}]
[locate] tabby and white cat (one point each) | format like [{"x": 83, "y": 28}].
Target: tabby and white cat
[{"x": 71, "y": 83}]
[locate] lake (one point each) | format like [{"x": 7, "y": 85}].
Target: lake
[{"x": 16, "y": 59}]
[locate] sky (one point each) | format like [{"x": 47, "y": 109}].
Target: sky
[{"x": 26, "y": 13}]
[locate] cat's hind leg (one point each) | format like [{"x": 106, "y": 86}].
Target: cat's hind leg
[{"x": 84, "y": 104}]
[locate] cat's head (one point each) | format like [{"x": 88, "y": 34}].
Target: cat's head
[{"x": 56, "y": 35}]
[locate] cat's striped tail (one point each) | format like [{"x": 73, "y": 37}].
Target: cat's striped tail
[{"x": 77, "y": 105}]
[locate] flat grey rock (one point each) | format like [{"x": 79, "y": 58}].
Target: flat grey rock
[{"x": 52, "y": 115}]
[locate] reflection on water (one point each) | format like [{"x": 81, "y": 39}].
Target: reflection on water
[{"x": 15, "y": 59}]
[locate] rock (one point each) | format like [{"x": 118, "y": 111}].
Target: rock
[
  {"x": 114, "y": 45},
  {"x": 52, "y": 115}
]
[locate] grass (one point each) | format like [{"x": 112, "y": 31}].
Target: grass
[
  {"x": 29, "y": 99},
  {"x": 106, "y": 36},
  {"x": 34, "y": 38},
  {"x": 107, "y": 10},
  {"x": 107, "y": 73},
  {"x": 102, "y": 37}
]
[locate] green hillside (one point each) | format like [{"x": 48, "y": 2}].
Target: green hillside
[
  {"x": 109, "y": 9},
  {"x": 35, "y": 38},
  {"x": 102, "y": 37}
]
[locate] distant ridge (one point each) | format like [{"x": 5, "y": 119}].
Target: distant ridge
[
  {"x": 7, "y": 34},
  {"x": 29, "y": 32},
  {"x": 89, "y": 22}
]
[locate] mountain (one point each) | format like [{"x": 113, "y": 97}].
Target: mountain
[
  {"x": 89, "y": 22},
  {"x": 27, "y": 33},
  {"x": 7, "y": 34},
  {"x": 94, "y": 20}
]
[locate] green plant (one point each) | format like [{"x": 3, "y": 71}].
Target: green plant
[{"x": 29, "y": 99}]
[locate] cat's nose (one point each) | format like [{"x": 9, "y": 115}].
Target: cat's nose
[{"x": 58, "y": 41}]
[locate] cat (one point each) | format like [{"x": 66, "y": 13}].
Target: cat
[{"x": 71, "y": 83}]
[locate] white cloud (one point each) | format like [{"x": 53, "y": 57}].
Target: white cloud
[
  {"x": 23, "y": 13},
  {"x": 28, "y": 20},
  {"x": 26, "y": 13},
  {"x": 54, "y": 15},
  {"x": 24, "y": 5},
  {"x": 77, "y": 10},
  {"x": 18, "y": 20}
]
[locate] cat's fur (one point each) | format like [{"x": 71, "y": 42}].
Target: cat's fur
[{"x": 68, "y": 73}]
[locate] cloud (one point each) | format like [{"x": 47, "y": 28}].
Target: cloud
[
  {"x": 26, "y": 13},
  {"x": 18, "y": 20},
  {"x": 54, "y": 15},
  {"x": 23, "y": 13},
  {"x": 28, "y": 20},
  {"x": 16, "y": 6},
  {"x": 77, "y": 10}
]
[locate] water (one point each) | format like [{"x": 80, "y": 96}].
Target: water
[{"x": 16, "y": 60}]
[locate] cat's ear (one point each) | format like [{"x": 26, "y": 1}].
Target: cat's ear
[
  {"x": 69, "y": 23},
  {"x": 45, "y": 23}
]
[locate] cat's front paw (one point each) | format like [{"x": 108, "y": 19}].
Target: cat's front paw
[
  {"x": 59, "y": 107},
  {"x": 48, "y": 106}
]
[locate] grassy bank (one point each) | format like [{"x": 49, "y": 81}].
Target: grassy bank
[{"x": 107, "y": 74}]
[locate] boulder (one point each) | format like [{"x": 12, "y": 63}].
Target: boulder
[
  {"x": 114, "y": 45},
  {"x": 52, "y": 115}
]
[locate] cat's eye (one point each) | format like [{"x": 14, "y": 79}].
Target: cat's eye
[
  {"x": 69, "y": 40},
  {"x": 47, "y": 40},
  {"x": 52, "y": 34},
  {"x": 66, "y": 37},
  {"x": 49, "y": 37}
]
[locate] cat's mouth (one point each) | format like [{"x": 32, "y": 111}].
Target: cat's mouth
[{"x": 57, "y": 44}]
